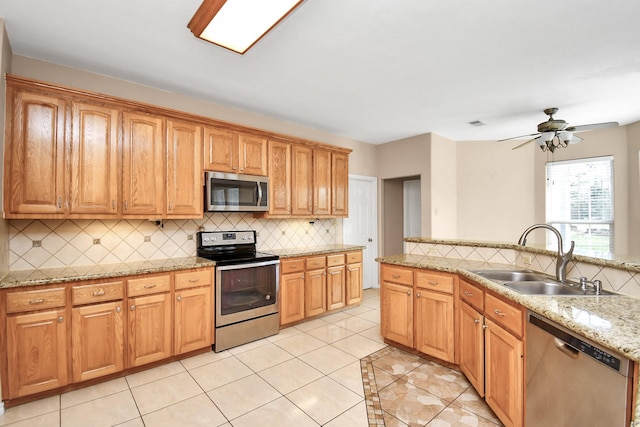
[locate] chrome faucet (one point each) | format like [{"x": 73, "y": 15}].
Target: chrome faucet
[{"x": 562, "y": 259}]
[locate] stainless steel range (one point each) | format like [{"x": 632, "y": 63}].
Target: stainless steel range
[{"x": 246, "y": 287}]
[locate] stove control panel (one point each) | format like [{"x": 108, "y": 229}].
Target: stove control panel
[{"x": 226, "y": 238}]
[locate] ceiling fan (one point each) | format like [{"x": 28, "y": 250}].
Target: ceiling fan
[{"x": 556, "y": 133}]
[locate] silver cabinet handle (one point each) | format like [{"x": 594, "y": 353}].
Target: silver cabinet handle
[
  {"x": 60, "y": 319},
  {"x": 499, "y": 313},
  {"x": 59, "y": 202},
  {"x": 484, "y": 326},
  {"x": 126, "y": 205},
  {"x": 418, "y": 295},
  {"x": 179, "y": 298},
  {"x": 194, "y": 280},
  {"x": 467, "y": 293},
  {"x": 113, "y": 204},
  {"x": 118, "y": 309},
  {"x": 408, "y": 292},
  {"x": 97, "y": 293},
  {"x": 150, "y": 286},
  {"x": 36, "y": 301},
  {"x": 133, "y": 307},
  {"x": 395, "y": 276},
  {"x": 432, "y": 283},
  {"x": 476, "y": 321}
]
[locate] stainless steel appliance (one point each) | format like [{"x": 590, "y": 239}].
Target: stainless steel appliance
[
  {"x": 572, "y": 381},
  {"x": 237, "y": 193},
  {"x": 246, "y": 287}
]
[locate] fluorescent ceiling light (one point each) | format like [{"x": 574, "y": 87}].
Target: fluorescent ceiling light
[{"x": 238, "y": 24}]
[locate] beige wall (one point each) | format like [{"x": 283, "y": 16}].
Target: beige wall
[
  {"x": 633, "y": 139},
  {"x": 495, "y": 191},
  {"x": 444, "y": 178},
  {"x": 5, "y": 66},
  {"x": 362, "y": 160}
]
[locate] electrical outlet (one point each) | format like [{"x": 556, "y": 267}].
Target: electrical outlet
[{"x": 431, "y": 249}]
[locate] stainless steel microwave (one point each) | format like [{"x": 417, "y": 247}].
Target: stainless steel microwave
[{"x": 224, "y": 192}]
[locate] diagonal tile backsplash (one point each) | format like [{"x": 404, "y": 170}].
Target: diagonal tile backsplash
[{"x": 64, "y": 243}]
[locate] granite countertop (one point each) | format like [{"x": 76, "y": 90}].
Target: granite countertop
[
  {"x": 314, "y": 250},
  {"x": 49, "y": 276}
]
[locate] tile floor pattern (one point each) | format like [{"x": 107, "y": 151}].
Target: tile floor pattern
[{"x": 308, "y": 375}]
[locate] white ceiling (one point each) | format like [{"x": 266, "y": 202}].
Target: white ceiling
[{"x": 370, "y": 70}]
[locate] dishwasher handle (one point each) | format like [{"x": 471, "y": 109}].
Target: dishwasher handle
[{"x": 566, "y": 348}]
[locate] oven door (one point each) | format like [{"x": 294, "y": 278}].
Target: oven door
[{"x": 246, "y": 291}]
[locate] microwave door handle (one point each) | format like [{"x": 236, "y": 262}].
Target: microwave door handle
[{"x": 259, "y": 194}]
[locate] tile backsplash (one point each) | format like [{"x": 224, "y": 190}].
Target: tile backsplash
[
  {"x": 613, "y": 279},
  {"x": 65, "y": 243}
]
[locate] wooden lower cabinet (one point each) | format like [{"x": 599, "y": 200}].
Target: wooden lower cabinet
[
  {"x": 471, "y": 347},
  {"x": 291, "y": 298},
  {"x": 396, "y": 313},
  {"x": 193, "y": 319},
  {"x": 36, "y": 352},
  {"x": 149, "y": 329},
  {"x": 97, "y": 333},
  {"x": 434, "y": 324},
  {"x": 315, "y": 292},
  {"x": 336, "y": 282},
  {"x": 354, "y": 283}
]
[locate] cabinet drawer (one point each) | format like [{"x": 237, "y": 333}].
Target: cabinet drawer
[
  {"x": 434, "y": 281},
  {"x": 397, "y": 275},
  {"x": 148, "y": 285},
  {"x": 354, "y": 257},
  {"x": 21, "y": 302},
  {"x": 192, "y": 279},
  {"x": 97, "y": 292},
  {"x": 333, "y": 260},
  {"x": 506, "y": 315},
  {"x": 292, "y": 266},
  {"x": 472, "y": 294},
  {"x": 316, "y": 262}
]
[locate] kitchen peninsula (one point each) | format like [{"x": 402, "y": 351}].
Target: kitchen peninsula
[{"x": 612, "y": 321}]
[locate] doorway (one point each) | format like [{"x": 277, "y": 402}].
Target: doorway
[
  {"x": 361, "y": 227},
  {"x": 401, "y": 212}
]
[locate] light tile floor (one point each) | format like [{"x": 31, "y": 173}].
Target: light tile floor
[{"x": 307, "y": 375}]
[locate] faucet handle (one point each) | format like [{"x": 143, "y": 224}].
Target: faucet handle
[{"x": 570, "y": 252}]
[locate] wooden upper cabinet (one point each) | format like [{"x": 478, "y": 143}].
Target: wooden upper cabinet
[
  {"x": 279, "y": 177},
  {"x": 184, "y": 169},
  {"x": 302, "y": 180},
  {"x": 321, "y": 182},
  {"x": 143, "y": 165},
  {"x": 252, "y": 151},
  {"x": 35, "y": 135},
  {"x": 94, "y": 159},
  {"x": 233, "y": 152},
  {"x": 340, "y": 184},
  {"x": 220, "y": 150}
]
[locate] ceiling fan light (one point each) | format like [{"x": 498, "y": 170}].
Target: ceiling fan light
[
  {"x": 566, "y": 136},
  {"x": 547, "y": 136}
]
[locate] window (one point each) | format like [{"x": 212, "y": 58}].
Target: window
[{"x": 580, "y": 203}]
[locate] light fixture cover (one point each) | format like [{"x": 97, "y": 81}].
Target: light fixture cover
[{"x": 238, "y": 24}]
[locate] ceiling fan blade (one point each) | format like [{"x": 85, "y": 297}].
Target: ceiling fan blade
[
  {"x": 518, "y": 137},
  {"x": 575, "y": 139},
  {"x": 592, "y": 126},
  {"x": 524, "y": 143}
]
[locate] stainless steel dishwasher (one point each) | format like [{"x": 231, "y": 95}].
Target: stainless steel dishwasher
[{"x": 572, "y": 381}]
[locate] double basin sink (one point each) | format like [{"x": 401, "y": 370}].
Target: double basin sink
[{"x": 531, "y": 283}]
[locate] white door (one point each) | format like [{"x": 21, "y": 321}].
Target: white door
[
  {"x": 411, "y": 209},
  {"x": 361, "y": 226}
]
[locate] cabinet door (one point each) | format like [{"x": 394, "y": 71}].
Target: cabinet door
[
  {"x": 504, "y": 363},
  {"x": 36, "y": 352},
  {"x": 34, "y": 178},
  {"x": 396, "y": 309},
  {"x": 472, "y": 346},
  {"x": 291, "y": 298},
  {"x": 279, "y": 178},
  {"x": 220, "y": 150},
  {"x": 340, "y": 184},
  {"x": 336, "y": 285},
  {"x": 354, "y": 283},
  {"x": 193, "y": 319},
  {"x": 149, "y": 331},
  {"x": 321, "y": 182},
  {"x": 143, "y": 161},
  {"x": 184, "y": 169},
  {"x": 94, "y": 160},
  {"x": 252, "y": 151},
  {"x": 97, "y": 340},
  {"x": 315, "y": 292},
  {"x": 434, "y": 324},
  {"x": 302, "y": 181}
]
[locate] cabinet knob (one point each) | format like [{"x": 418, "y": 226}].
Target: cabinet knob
[
  {"x": 484, "y": 326},
  {"x": 408, "y": 292},
  {"x": 60, "y": 319},
  {"x": 179, "y": 298},
  {"x": 476, "y": 321},
  {"x": 418, "y": 295},
  {"x": 118, "y": 309},
  {"x": 133, "y": 307}
]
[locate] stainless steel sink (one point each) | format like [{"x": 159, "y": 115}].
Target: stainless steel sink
[
  {"x": 530, "y": 283},
  {"x": 510, "y": 275}
]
